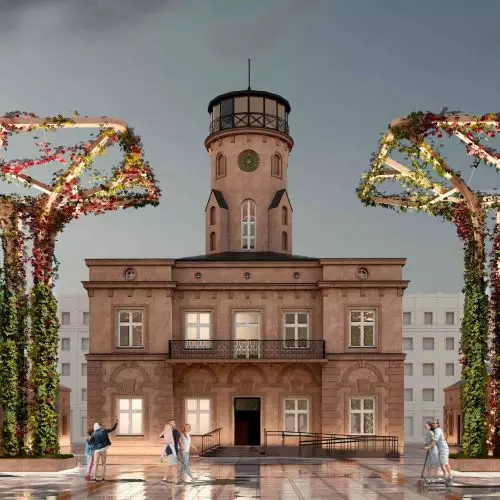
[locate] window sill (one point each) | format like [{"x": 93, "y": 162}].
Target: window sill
[
  {"x": 363, "y": 347},
  {"x": 129, "y": 347}
]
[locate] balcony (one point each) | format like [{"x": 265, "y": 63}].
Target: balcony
[
  {"x": 246, "y": 119},
  {"x": 247, "y": 349}
]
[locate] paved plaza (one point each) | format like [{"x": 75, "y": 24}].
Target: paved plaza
[{"x": 249, "y": 478}]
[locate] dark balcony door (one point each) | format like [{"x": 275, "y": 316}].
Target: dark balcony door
[{"x": 247, "y": 421}]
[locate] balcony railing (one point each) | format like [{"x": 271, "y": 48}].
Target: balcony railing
[
  {"x": 246, "y": 349},
  {"x": 259, "y": 120}
]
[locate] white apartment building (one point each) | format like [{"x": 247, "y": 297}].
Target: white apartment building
[
  {"x": 431, "y": 335},
  {"x": 73, "y": 345}
]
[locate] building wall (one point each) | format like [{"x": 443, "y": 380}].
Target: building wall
[
  {"x": 418, "y": 411},
  {"x": 76, "y": 332}
]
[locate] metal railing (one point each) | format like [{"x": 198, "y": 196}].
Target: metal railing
[
  {"x": 336, "y": 444},
  {"x": 210, "y": 440},
  {"x": 246, "y": 349},
  {"x": 246, "y": 119}
]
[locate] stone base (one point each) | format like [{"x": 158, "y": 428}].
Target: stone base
[
  {"x": 475, "y": 464},
  {"x": 37, "y": 464}
]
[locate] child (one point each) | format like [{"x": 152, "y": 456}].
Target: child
[{"x": 89, "y": 453}]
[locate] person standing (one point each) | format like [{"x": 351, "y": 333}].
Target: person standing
[
  {"x": 443, "y": 449},
  {"x": 170, "y": 452},
  {"x": 185, "y": 446},
  {"x": 89, "y": 454},
  {"x": 101, "y": 442},
  {"x": 432, "y": 460}
]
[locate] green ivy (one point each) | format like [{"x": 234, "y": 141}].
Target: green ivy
[
  {"x": 44, "y": 376},
  {"x": 474, "y": 348}
]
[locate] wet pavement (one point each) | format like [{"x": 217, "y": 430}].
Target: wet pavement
[{"x": 250, "y": 478}]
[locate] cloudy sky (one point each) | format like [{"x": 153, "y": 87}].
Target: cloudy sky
[{"x": 347, "y": 68}]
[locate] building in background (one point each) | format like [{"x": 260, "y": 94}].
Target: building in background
[
  {"x": 73, "y": 311},
  {"x": 431, "y": 336}
]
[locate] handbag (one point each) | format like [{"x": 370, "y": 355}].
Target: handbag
[{"x": 168, "y": 450}]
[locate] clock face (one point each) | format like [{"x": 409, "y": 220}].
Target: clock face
[{"x": 249, "y": 161}]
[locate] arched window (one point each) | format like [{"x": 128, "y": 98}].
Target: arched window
[
  {"x": 248, "y": 225},
  {"x": 212, "y": 241},
  {"x": 284, "y": 216},
  {"x": 220, "y": 166},
  {"x": 276, "y": 165},
  {"x": 284, "y": 240},
  {"x": 212, "y": 216}
]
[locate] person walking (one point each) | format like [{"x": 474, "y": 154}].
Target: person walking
[
  {"x": 443, "y": 449},
  {"x": 432, "y": 460},
  {"x": 185, "y": 447},
  {"x": 170, "y": 452},
  {"x": 89, "y": 454},
  {"x": 101, "y": 442}
]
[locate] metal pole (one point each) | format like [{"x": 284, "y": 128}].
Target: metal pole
[{"x": 249, "y": 74}]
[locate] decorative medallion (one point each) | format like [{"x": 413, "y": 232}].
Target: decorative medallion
[
  {"x": 197, "y": 276},
  {"x": 130, "y": 274},
  {"x": 296, "y": 275},
  {"x": 247, "y": 275},
  {"x": 248, "y": 161},
  {"x": 362, "y": 273}
]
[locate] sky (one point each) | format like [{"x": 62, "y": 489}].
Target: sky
[{"x": 347, "y": 67}]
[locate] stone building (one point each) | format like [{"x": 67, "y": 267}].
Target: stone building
[{"x": 247, "y": 337}]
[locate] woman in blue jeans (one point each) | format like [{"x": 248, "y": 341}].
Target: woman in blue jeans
[{"x": 185, "y": 446}]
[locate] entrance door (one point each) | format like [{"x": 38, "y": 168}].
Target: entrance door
[{"x": 247, "y": 421}]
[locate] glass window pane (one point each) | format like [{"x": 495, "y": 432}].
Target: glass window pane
[
  {"x": 368, "y": 316},
  {"x": 124, "y": 423},
  {"x": 137, "y": 317},
  {"x": 355, "y": 316},
  {"x": 368, "y": 335},
  {"x": 290, "y": 318},
  {"x": 368, "y": 421},
  {"x": 124, "y": 404},
  {"x": 124, "y": 336},
  {"x": 247, "y": 333},
  {"x": 137, "y": 335},
  {"x": 204, "y": 423},
  {"x": 205, "y": 318},
  {"x": 191, "y": 318},
  {"x": 302, "y": 332},
  {"x": 355, "y": 336},
  {"x": 191, "y": 332},
  {"x": 290, "y": 333},
  {"x": 136, "y": 423},
  {"x": 302, "y": 318},
  {"x": 355, "y": 404},
  {"x": 191, "y": 404},
  {"x": 137, "y": 404},
  {"x": 204, "y": 333},
  {"x": 355, "y": 423},
  {"x": 290, "y": 422},
  {"x": 302, "y": 404},
  {"x": 368, "y": 404},
  {"x": 289, "y": 404},
  {"x": 204, "y": 404},
  {"x": 302, "y": 420},
  {"x": 192, "y": 421},
  {"x": 124, "y": 316}
]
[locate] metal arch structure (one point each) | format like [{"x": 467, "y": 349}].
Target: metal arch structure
[
  {"x": 432, "y": 186},
  {"x": 40, "y": 218}
]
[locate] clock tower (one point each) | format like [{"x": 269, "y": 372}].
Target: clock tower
[{"x": 248, "y": 209}]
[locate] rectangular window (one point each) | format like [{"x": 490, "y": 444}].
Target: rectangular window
[
  {"x": 85, "y": 344},
  {"x": 84, "y": 394},
  {"x": 450, "y": 369},
  {"x": 428, "y": 395},
  {"x": 65, "y": 344},
  {"x": 130, "y": 416},
  {"x": 408, "y": 426},
  {"x": 84, "y": 369},
  {"x": 296, "y": 415},
  {"x": 450, "y": 318},
  {"x": 408, "y": 394},
  {"x": 407, "y": 343},
  {"x": 130, "y": 328},
  {"x": 65, "y": 371},
  {"x": 85, "y": 318},
  {"x": 428, "y": 369},
  {"x": 450, "y": 344},
  {"x": 65, "y": 318},
  {"x": 428, "y": 319},
  {"x": 198, "y": 415},
  {"x": 407, "y": 318},
  {"x": 362, "y": 328},
  {"x": 247, "y": 334},
  {"x": 408, "y": 369},
  {"x": 296, "y": 326},
  {"x": 362, "y": 415},
  {"x": 198, "y": 330},
  {"x": 428, "y": 343}
]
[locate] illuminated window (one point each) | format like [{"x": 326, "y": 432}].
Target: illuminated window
[
  {"x": 130, "y": 328},
  {"x": 296, "y": 415},
  {"x": 362, "y": 328},
  {"x": 198, "y": 415},
  {"x": 248, "y": 225},
  {"x": 130, "y": 413},
  {"x": 362, "y": 415}
]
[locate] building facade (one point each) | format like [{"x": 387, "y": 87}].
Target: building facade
[
  {"x": 73, "y": 311},
  {"x": 431, "y": 337},
  {"x": 247, "y": 337}
]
